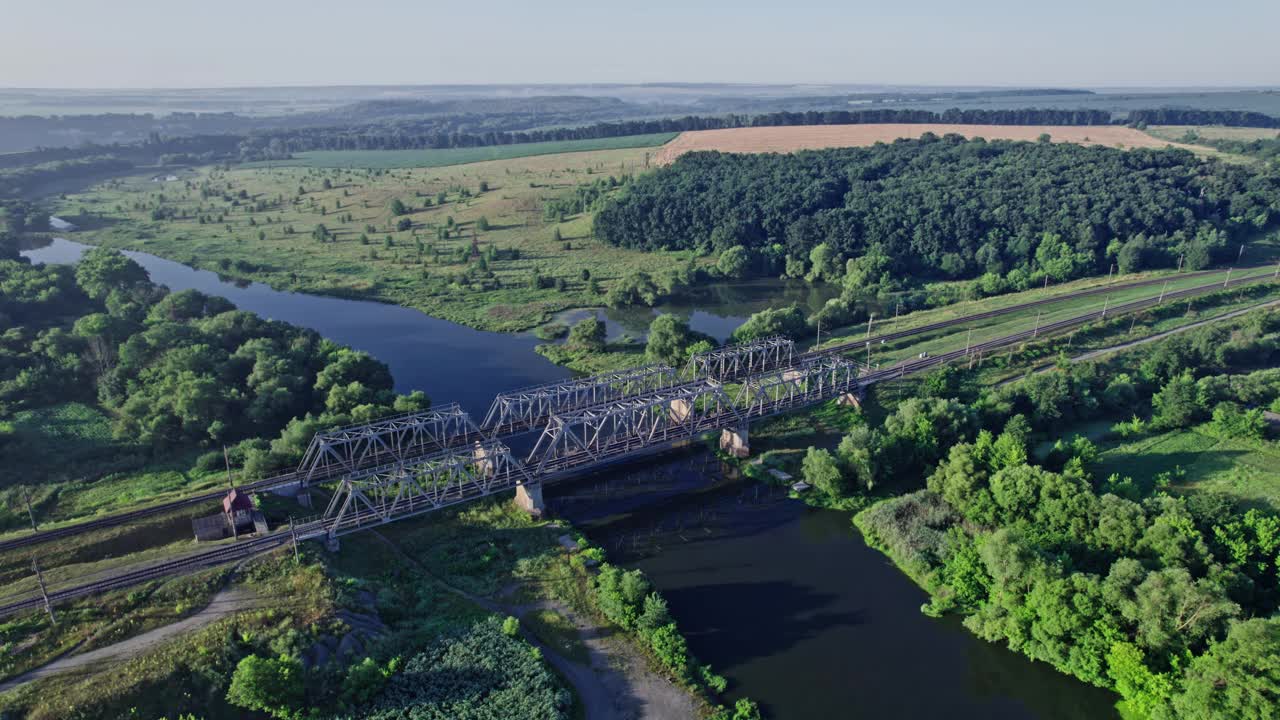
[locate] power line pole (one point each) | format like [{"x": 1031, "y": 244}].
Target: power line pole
[
  {"x": 1241, "y": 255},
  {"x": 1036, "y": 331},
  {"x": 818, "y": 342},
  {"x": 869, "y": 321},
  {"x": 44, "y": 591},
  {"x": 1105, "y": 303},
  {"x": 967, "y": 341},
  {"x": 226, "y": 459},
  {"x": 26, "y": 497},
  {"x": 293, "y": 534},
  {"x": 1224, "y": 282},
  {"x": 1166, "y": 287},
  {"x": 1180, "y": 257}
]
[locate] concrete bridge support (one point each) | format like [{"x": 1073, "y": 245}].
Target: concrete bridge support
[
  {"x": 849, "y": 399},
  {"x": 734, "y": 441},
  {"x": 529, "y": 498},
  {"x": 680, "y": 410}
]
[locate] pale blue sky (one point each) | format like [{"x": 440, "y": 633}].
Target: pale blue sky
[{"x": 203, "y": 43}]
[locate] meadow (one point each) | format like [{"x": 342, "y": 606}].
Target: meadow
[
  {"x": 1178, "y": 133},
  {"x": 441, "y": 157},
  {"x": 1194, "y": 460},
  {"x": 475, "y": 244}
]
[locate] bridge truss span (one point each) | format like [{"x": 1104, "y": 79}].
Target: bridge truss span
[
  {"x": 731, "y": 362},
  {"x": 345, "y": 450},
  {"x": 811, "y": 381},
  {"x": 529, "y": 408},
  {"x": 601, "y": 433},
  {"x": 418, "y": 485}
]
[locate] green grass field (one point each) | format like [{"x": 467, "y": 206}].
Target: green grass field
[
  {"x": 1177, "y": 133},
  {"x": 248, "y": 213},
  {"x": 69, "y": 463},
  {"x": 1198, "y": 461},
  {"x": 441, "y": 157}
]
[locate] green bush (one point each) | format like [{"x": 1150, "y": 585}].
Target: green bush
[
  {"x": 274, "y": 686},
  {"x": 479, "y": 674}
]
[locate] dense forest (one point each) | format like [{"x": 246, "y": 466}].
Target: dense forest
[
  {"x": 176, "y": 370},
  {"x": 946, "y": 208}
]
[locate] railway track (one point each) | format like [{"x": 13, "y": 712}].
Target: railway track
[{"x": 291, "y": 478}]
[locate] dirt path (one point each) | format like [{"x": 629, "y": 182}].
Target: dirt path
[
  {"x": 614, "y": 685},
  {"x": 226, "y": 602}
]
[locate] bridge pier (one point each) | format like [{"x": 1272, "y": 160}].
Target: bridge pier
[
  {"x": 483, "y": 463},
  {"x": 680, "y": 410},
  {"x": 331, "y": 543},
  {"x": 734, "y": 441},
  {"x": 529, "y": 498},
  {"x": 850, "y": 399}
]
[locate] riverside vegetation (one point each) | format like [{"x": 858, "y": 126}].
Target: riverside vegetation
[{"x": 1149, "y": 584}]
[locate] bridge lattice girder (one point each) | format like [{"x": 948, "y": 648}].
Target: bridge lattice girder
[
  {"x": 809, "y": 382},
  {"x": 604, "y": 432},
  {"x": 422, "y": 484},
  {"x": 348, "y": 449},
  {"x": 731, "y": 362},
  {"x": 528, "y": 408}
]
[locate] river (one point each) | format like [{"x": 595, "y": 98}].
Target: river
[{"x": 785, "y": 601}]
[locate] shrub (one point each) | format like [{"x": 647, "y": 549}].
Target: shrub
[{"x": 273, "y": 686}]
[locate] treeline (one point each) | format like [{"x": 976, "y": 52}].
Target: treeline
[
  {"x": 425, "y": 134},
  {"x": 30, "y": 179},
  {"x": 945, "y": 208},
  {"x": 177, "y": 370},
  {"x": 1119, "y": 581},
  {"x": 1185, "y": 116}
]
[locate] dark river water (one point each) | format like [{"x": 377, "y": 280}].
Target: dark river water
[{"x": 785, "y": 601}]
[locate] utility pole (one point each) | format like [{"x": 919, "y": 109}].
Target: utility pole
[
  {"x": 1110, "y": 271},
  {"x": 818, "y": 342},
  {"x": 869, "y": 321},
  {"x": 26, "y": 497},
  {"x": 1277, "y": 275},
  {"x": 226, "y": 459},
  {"x": 1036, "y": 331},
  {"x": 967, "y": 341},
  {"x": 44, "y": 591},
  {"x": 868, "y": 355},
  {"x": 1180, "y": 257},
  {"x": 1105, "y": 303},
  {"x": 1046, "y": 282},
  {"x": 293, "y": 534},
  {"x": 1166, "y": 287},
  {"x": 1224, "y": 282},
  {"x": 1241, "y": 255}
]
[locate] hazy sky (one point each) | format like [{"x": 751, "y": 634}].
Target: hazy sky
[{"x": 197, "y": 43}]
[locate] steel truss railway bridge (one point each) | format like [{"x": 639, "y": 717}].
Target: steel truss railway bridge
[{"x": 407, "y": 465}]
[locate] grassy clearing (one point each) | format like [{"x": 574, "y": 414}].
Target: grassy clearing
[
  {"x": 65, "y": 457},
  {"x": 248, "y": 213},
  {"x": 441, "y": 157},
  {"x": 1178, "y": 133},
  {"x": 1198, "y": 461}
]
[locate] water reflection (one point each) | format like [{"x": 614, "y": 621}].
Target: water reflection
[{"x": 792, "y": 606}]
